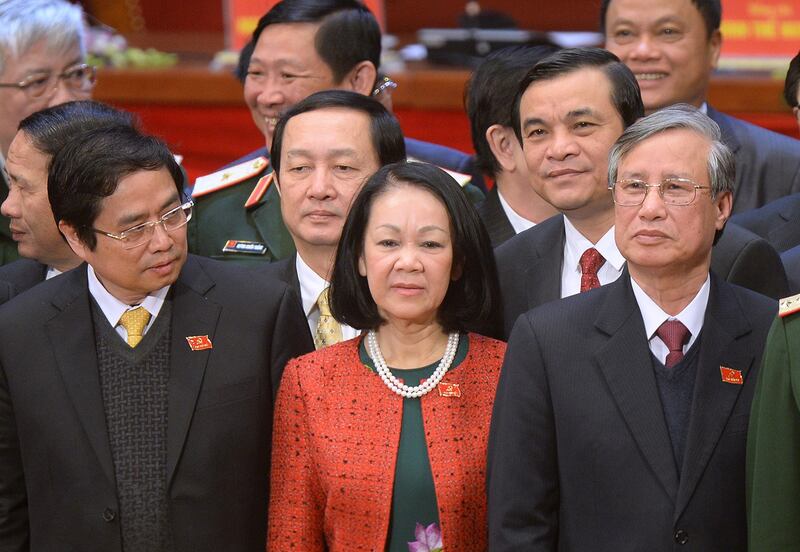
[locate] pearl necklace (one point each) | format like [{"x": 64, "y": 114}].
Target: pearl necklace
[{"x": 395, "y": 384}]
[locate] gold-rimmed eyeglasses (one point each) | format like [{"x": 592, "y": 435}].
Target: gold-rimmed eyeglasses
[
  {"x": 79, "y": 78},
  {"x": 143, "y": 233},
  {"x": 673, "y": 191}
]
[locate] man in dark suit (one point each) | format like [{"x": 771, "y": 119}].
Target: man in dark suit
[
  {"x": 40, "y": 136},
  {"x": 325, "y": 147},
  {"x": 299, "y": 47},
  {"x": 778, "y": 222},
  {"x": 512, "y": 205},
  {"x": 42, "y": 63},
  {"x": 136, "y": 390},
  {"x": 672, "y": 46},
  {"x": 593, "y": 97},
  {"x": 621, "y": 414}
]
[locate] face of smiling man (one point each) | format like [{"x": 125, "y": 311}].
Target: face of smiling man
[
  {"x": 666, "y": 45},
  {"x": 569, "y": 124}
]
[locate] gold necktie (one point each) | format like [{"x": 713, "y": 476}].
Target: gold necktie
[
  {"x": 134, "y": 322},
  {"x": 329, "y": 331}
]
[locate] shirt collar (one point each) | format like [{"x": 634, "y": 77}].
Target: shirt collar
[
  {"x": 576, "y": 244},
  {"x": 113, "y": 308},
  {"x": 518, "y": 223},
  {"x": 691, "y": 316},
  {"x": 52, "y": 272},
  {"x": 311, "y": 285}
]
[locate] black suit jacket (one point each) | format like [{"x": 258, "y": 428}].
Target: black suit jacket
[
  {"x": 529, "y": 266},
  {"x": 767, "y": 163},
  {"x": 57, "y": 489},
  {"x": 285, "y": 270},
  {"x": 580, "y": 457},
  {"x": 494, "y": 218},
  {"x": 791, "y": 262},
  {"x": 22, "y": 275},
  {"x": 777, "y": 222}
]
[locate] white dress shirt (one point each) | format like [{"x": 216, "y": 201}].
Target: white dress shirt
[
  {"x": 113, "y": 308},
  {"x": 518, "y": 223},
  {"x": 574, "y": 246},
  {"x": 653, "y": 316},
  {"x": 311, "y": 285}
]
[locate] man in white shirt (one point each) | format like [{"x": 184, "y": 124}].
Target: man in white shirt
[
  {"x": 41, "y": 136},
  {"x": 512, "y": 205},
  {"x": 139, "y": 385},
  {"x": 571, "y": 108},
  {"x": 324, "y": 148},
  {"x": 621, "y": 414}
]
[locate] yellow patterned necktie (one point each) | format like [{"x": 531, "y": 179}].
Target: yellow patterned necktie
[
  {"x": 329, "y": 331},
  {"x": 134, "y": 321}
]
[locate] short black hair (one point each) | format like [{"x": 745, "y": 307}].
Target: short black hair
[
  {"x": 710, "y": 11},
  {"x": 469, "y": 302},
  {"x": 625, "y": 94},
  {"x": 792, "y": 81},
  {"x": 489, "y": 95},
  {"x": 49, "y": 130},
  {"x": 387, "y": 137},
  {"x": 348, "y": 33},
  {"x": 90, "y": 167}
]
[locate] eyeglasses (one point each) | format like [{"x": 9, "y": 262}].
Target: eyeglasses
[
  {"x": 79, "y": 78},
  {"x": 143, "y": 233},
  {"x": 673, "y": 191}
]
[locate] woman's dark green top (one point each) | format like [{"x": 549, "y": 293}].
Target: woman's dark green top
[{"x": 414, "y": 497}]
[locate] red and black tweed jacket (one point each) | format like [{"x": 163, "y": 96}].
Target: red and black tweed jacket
[{"x": 336, "y": 434}]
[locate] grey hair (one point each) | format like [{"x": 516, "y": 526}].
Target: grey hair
[
  {"x": 23, "y": 23},
  {"x": 721, "y": 165}
]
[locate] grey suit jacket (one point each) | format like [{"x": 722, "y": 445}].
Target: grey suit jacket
[
  {"x": 22, "y": 275},
  {"x": 791, "y": 262},
  {"x": 57, "y": 489},
  {"x": 767, "y": 163},
  {"x": 494, "y": 218},
  {"x": 777, "y": 222},
  {"x": 529, "y": 267},
  {"x": 580, "y": 456}
]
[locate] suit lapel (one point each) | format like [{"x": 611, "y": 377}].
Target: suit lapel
[
  {"x": 713, "y": 400},
  {"x": 266, "y": 215},
  {"x": 71, "y": 334},
  {"x": 192, "y": 315},
  {"x": 627, "y": 368},
  {"x": 495, "y": 219},
  {"x": 543, "y": 276}
]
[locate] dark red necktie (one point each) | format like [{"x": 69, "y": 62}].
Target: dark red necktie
[
  {"x": 674, "y": 335},
  {"x": 590, "y": 262}
]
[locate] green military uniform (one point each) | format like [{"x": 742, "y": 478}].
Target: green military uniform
[
  {"x": 220, "y": 217},
  {"x": 236, "y": 220},
  {"x": 8, "y": 247},
  {"x": 773, "y": 440}
]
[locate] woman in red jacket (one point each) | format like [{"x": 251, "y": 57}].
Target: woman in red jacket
[{"x": 380, "y": 441}]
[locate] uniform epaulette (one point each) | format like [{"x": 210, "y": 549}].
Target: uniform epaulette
[
  {"x": 259, "y": 191},
  {"x": 789, "y": 305},
  {"x": 229, "y": 176},
  {"x": 461, "y": 178}
]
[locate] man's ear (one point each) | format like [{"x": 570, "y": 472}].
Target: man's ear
[
  {"x": 361, "y": 78},
  {"x": 77, "y": 246},
  {"x": 502, "y": 142},
  {"x": 715, "y": 46}
]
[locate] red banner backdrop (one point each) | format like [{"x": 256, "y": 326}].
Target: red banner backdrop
[
  {"x": 761, "y": 27},
  {"x": 241, "y": 18}
]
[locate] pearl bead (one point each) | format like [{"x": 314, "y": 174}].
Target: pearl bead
[{"x": 395, "y": 384}]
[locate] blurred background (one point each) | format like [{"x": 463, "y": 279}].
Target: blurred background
[{"x": 172, "y": 62}]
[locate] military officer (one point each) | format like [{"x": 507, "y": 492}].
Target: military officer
[
  {"x": 299, "y": 47},
  {"x": 773, "y": 439}
]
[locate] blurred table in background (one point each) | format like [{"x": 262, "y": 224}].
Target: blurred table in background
[{"x": 203, "y": 117}]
